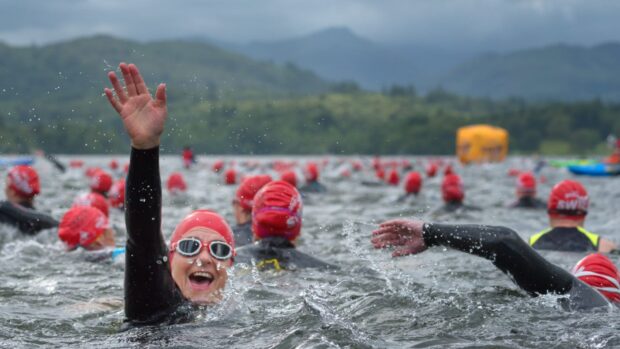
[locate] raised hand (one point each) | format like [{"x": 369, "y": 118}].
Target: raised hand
[
  {"x": 407, "y": 234},
  {"x": 143, "y": 116}
]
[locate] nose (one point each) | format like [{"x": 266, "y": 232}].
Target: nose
[{"x": 204, "y": 256}]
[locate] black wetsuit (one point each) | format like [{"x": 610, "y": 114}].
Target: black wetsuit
[
  {"x": 279, "y": 254},
  {"x": 243, "y": 234},
  {"x": 513, "y": 256},
  {"x": 25, "y": 218},
  {"x": 528, "y": 202},
  {"x": 151, "y": 295},
  {"x": 567, "y": 239},
  {"x": 313, "y": 187}
]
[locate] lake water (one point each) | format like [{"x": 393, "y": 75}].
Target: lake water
[{"x": 438, "y": 299}]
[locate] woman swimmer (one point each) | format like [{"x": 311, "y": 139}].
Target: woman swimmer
[{"x": 157, "y": 280}]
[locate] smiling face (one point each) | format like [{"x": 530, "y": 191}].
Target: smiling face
[{"x": 202, "y": 277}]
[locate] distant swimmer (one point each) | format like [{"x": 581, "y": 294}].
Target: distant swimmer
[
  {"x": 593, "y": 283},
  {"x": 188, "y": 157},
  {"x": 567, "y": 208},
  {"x": 117, "y": 194},
  {"x": 290, "y": 177},
  {"x": 526, "y": 192},
  {"x": 22, "y": 185},
  {"x": 453, "y": 195},
  {"x": 176, "y": 183},
  {"x": 413, "y": 184},
  {"x": 242, "y": 207},
  {"x": 276, "y": 224},
  {"x": 85, "y": 227},
  {"x": 95, "y": 200},
  {"x": 100, "y": 182},
  {"x": 158, "y": 280},
  {"x": 312, "y": 180}
]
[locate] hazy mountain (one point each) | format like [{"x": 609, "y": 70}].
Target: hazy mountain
[
  {"x": 559, "y": 72},
  {"x": 339, "y": 54},
  {"x": 77, "y": 68}
]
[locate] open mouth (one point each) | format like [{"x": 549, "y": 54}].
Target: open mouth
[{"x": 200, "y": 280}]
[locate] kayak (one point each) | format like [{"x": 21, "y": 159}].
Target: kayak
[
  {"x": 598, "y": 169},
  {"x": 575, "y": 162},
  {"x": 24, "y": 160}
]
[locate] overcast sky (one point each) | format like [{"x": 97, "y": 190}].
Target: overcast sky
[{"x": 490, "y": 24}]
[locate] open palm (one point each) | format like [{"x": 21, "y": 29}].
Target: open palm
[{"x": 143, "y": 116}]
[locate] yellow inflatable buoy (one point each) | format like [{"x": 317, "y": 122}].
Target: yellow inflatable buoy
[{"x": 481, "y": 143}]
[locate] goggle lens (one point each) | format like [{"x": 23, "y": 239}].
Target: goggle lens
[{"x": 191, "y": 247}]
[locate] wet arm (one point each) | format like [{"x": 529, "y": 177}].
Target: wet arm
[
  {"x": 150, "y": 292},
  {"x": 507, "y": 251}
]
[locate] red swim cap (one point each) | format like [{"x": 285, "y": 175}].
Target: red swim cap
[
  {"x": 413, "y": 183},
  {"x": 113, "y": 164},
  {"x": 95, "y": 200},
  {"x": 393, "y": 177},
  {"x": 526, "y": 183},
  {"x": 568, "y": 199},
  {"x": 452, "y": 189},
  {"x": 599, "y": 272},
  {"x": 290, "y": 177},
  {"x": 205, "y": 219},
  {"x": 380, "y": 173},
  {"x": 117, "y": 194},
  {"x": 248, "y": 189},
  {"x": 312, "y": 172},
  {"x": 100, "y": 182},
  {"x": 218, "y": 166},
  {"x": 448, "y": 170},
  {"x": 176, "y": 183},
  {"x": 230, "y": 176},
  {"x": 81, "y": 226},
  {"x": 91, "y": 171},
  {"x": 431, "y": 170},
  {"x": 24, "y": 180},
  {"x": 277, "y": 211}
]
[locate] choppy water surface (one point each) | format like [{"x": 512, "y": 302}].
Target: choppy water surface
[{"x": 439, "y": 299}]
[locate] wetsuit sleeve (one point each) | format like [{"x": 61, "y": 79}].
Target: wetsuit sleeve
[
  {"x": 28, "y": 221},
  {"x": 150, "y": 291},
  {"x": 507, "y": 251}
]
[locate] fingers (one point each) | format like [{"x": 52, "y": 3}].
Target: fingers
[
  {"x": 407, "y": 250},
  {"x": 130, "y": 85},
  {"x": 394, "y": 222},
  {"x": 118, "y": 89},
  {"x": 115, "y": 104},
  {"x": 137, "y": 79},
  {"x": 160, "y": 95}
]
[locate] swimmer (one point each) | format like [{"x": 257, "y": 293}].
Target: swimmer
[
  {"x": 614, "y": 158},
  {"x": 188, "y": 157},
  {"x": 526, "y": 192},
  {"x": 453, "y": 195},
  {"x": 100, "y": 182},
  {"x": 158, "y": 281},
  {"x": 567, "y": 208},
  {"x": 117, "y": 194},
  {"x": 312, "y": 180},
  {"x": 593, "y": 283},
  {"x": 86, "y": 227},
  {"x": 413, "y": 184},
  {"x": 242, "y": 207},
  {"x": 95, "y": 200},
  {"x": 22, "y": 186},
  {"x": 176, "y": 183},
  {"x": 276, "y": 224}
]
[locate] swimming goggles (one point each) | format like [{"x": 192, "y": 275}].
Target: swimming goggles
[{"x": 190, "y": 247}]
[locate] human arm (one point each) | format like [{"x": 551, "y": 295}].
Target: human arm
[
  {"x": 502, "y": 246},
  {"x": 150, "y": 291},
  {"x": 606, "y": 246}
]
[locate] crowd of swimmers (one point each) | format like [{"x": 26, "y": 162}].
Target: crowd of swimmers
[{"x": 164, "y": 281}]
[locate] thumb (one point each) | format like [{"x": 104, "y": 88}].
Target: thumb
[{"x": 160, "y": 95}]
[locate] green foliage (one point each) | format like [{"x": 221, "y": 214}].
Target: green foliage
[{"x": 225, "y": 103}]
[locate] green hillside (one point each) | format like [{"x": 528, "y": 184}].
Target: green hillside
[{"x": 557, "y": 72}]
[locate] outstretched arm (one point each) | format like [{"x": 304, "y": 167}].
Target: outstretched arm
[
  {"x": 500, "y": 245},
  {"x": 150, "y": 292}
]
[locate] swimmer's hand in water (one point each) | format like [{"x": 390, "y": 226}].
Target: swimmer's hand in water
[
  {"x": 402, "y": 233},
  {"x": 142, "y": 115}
]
